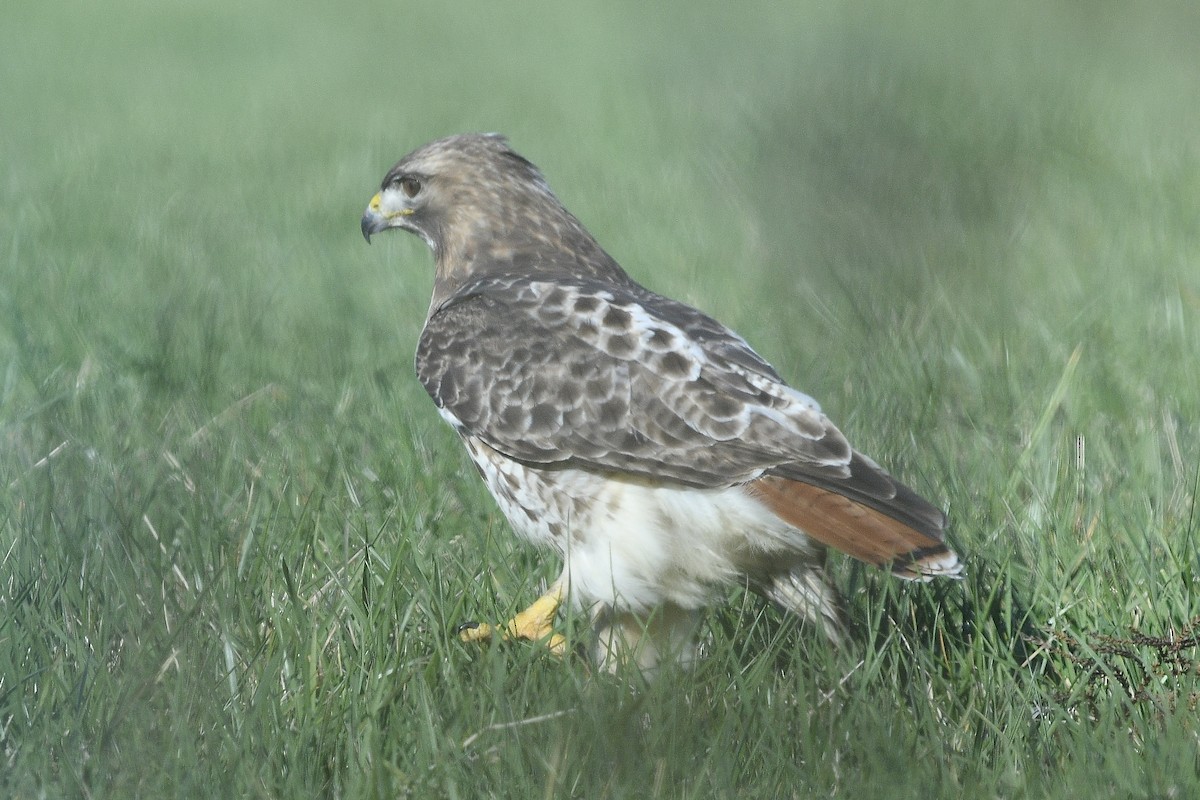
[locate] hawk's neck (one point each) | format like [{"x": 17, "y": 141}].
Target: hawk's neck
[{"x": 530, "y": 258}]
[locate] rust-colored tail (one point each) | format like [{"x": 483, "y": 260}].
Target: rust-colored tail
[{"x": 861, "y": 526}]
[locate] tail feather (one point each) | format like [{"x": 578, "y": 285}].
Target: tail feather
[{"x": 864, "y": 531}]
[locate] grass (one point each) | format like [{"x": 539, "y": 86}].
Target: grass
[{"x": 235, "y": 538}]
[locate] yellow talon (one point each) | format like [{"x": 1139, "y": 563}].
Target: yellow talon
[{"x": 534, "y": 624}]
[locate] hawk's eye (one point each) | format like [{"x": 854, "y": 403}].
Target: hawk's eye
[{"x": 410, "y": 186}]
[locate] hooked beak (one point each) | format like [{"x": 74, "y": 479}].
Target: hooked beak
[{"x": 373, "y": 219}]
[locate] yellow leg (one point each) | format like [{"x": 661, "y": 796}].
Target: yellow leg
[{"x": 535, "y": 623}]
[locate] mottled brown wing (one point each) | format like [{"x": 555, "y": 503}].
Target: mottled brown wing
[{"x": 611, "y": 378}]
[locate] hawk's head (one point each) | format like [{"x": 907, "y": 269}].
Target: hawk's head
[
  {"x": 464, "y": 181},
  {"x": 479, "y": 206}
]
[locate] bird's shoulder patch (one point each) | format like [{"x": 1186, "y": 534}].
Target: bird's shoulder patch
[{"x": 616, "y": 323}]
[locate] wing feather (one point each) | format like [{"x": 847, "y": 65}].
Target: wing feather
[{"x": 573, "y": 373}]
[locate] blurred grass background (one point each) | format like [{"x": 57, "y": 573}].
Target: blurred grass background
[{"x": 235, "y": 538}]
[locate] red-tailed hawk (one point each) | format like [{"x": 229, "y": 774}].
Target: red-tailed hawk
[{"x": 645, "y": 442}]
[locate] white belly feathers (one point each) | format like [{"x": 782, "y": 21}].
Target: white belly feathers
[{"x": 635, "y": 543}]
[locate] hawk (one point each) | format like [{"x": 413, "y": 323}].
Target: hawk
[{"x": 646, "y": 443}]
